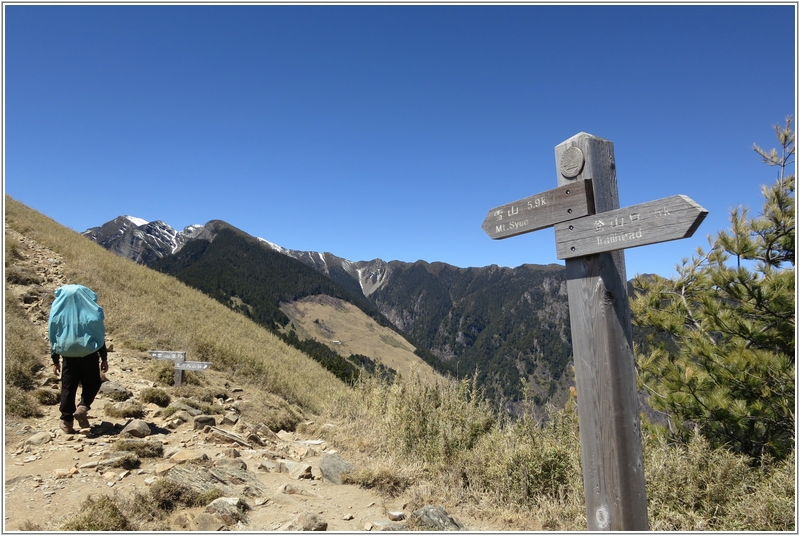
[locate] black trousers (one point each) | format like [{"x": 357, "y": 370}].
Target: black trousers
[{"x": 84, "y": 371}]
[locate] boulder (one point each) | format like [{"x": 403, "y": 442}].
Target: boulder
[
  {"x": 435, "y": 518},
  {"x": 187, "y": 408},
  {"x": 184, "y": 456},
  {"x": 294, "y": 469},
  {"x": 201, "y": 421},
  {"x": 233, "y": 462},
  {"x": 384, "y": 526},
  {"x": 333, "y": 467},
  {"x": 229, "y": 509},
  {"x": 307, "y": 521},
  {"x": 162, "y": 469},
  {"x": 39, "y": 438},
  {"x": 136, "y": 428},
  {"x": 202, "y": 522},
  {"x": 230, "y": 418},
  {"x": 268, "y": 466},
  {"x": 115, "y": 391}
]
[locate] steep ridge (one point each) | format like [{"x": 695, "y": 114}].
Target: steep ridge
[{"x": 507, "y": 324}]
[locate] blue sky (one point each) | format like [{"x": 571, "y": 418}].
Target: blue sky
[{"x": 387, "y": 131}]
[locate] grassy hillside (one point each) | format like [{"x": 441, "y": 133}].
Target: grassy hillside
[
  {"x": 344, "y": 328},
  {"x": 147, "y": 310}
]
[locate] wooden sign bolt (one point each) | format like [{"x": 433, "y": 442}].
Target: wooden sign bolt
[{"x": 591, "y": 232}]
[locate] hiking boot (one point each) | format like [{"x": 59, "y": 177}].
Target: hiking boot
[
  {"x": 67, "y": 428},
  {"x": 81, "y": 416}
]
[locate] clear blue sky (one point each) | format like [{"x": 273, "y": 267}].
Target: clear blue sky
[{"x": 387, "y": 131}]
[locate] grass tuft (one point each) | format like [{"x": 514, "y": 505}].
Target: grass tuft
[
  {"x": 47, "y": 397},
  {"x": 141, "y": 447},
  {"x": 128, "y": 410},
  {"x": 98, "y": 514},
  {"x": 386, "y": 481},
  {"x": 152, "y": 395}
]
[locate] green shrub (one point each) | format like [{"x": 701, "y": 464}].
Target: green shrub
[
  {"x": 152, "y": 395},
  {"x": 720, "y": 355},
  {"x": 119, "y": 396},
  {"x": 162, "y": 372}
]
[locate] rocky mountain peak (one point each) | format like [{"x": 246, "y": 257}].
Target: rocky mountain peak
[{"x": 144, "y": 241}]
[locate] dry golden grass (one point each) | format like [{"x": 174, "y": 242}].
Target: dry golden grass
[
  {"x": 146, "y": 310},
  {"x": 443, "y": 444},
  {"x": 330, "y": 319}
]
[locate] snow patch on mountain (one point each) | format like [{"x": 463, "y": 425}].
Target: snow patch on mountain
[{"x": 138, "y": 222}]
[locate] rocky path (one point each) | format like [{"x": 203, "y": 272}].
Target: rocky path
[
  {"x": 48, "y": 474},
  {"x": 271, "y": 481}
]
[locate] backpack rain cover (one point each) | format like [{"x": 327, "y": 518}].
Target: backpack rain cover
[{"x": 75, "y": 326}]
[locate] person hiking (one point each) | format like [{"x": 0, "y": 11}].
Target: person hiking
[{"x": 76, "y": 330}]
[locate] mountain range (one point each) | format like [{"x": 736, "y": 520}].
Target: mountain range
[{"x": 510, "y": 326}]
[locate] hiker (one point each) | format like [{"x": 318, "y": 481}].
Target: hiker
[{"x": 77, "y": 335}]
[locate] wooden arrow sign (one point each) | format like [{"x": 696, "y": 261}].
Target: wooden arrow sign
[
  {"x": 164, "y": 354},
  {"x": 657, "y": 221},
  {"x": 540, "y": 210}
]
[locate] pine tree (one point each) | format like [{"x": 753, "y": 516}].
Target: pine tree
[{"x": 721, "y": 343}]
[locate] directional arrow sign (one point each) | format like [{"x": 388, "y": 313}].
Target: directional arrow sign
[
  {"x": 172, "y": 356},
  {"x": 540, "y": 210},
  {"x": 663, "y": 220},
  {"x": 192, "y": 365}
]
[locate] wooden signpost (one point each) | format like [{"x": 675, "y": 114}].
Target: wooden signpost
[
  {"x": 591, "y": 232},
  {"x": 179, "y": 358}
]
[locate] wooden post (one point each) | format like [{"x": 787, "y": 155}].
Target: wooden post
[
  {"x": 605, "y": 376},
  {"x": 591, "y": 232}
]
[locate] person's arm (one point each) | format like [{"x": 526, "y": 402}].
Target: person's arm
[
  {"x": 56, "y": 363},
  {"x": 103, "y": 358}
]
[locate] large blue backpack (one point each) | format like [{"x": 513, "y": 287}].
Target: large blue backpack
[{"x": 75, "y": 326}]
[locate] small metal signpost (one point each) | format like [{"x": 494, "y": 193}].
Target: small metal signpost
[
  {"x": 180, "y": 363},
  {"x": 591, "y": 232}
]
